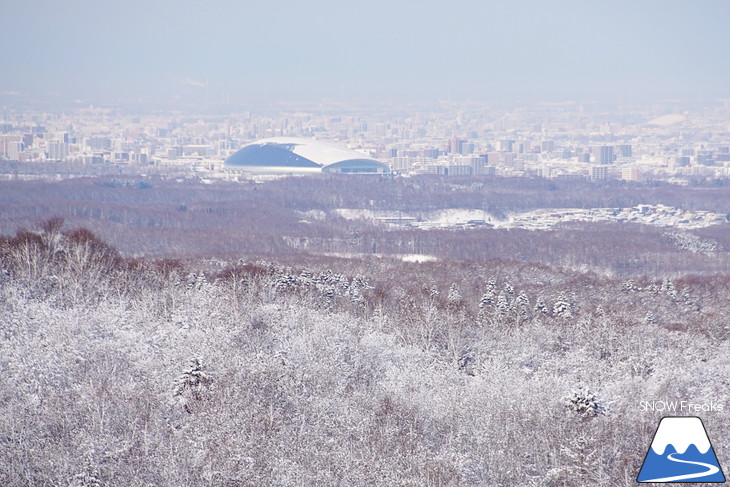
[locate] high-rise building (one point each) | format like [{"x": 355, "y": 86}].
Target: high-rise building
[
  {"x": 508, "y": 159},
  {"x": 505, "y": 145},
  {"x": 624, "y": 150},
  {"x": 603, "y": 154},
  {"x": 456, "y": 146},
  {"x": 28, "y": 140},
  {"x": 522, "y": 147},
  {"x": 547, "y": 145},
  {"x": 10, "y": 149},
  {"x": 477, "y": 163}
]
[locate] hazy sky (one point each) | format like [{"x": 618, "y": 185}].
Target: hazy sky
[{"x": 383, "y": 50}]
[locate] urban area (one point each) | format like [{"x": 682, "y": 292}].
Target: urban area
[{"x": 680, "y": 143}]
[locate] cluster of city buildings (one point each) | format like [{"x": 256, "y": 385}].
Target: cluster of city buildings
[{"x": 672, "y": 142}]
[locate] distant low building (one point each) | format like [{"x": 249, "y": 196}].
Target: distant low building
[
  {"x": 57, "y": 151},
  {"x": 569, "y": 177},
  {"x": 682, "y": 161},
  {"x": 599, "y": 172},
  {"x": 630, "y": 174},
  {"x": 459, "y": 170}
]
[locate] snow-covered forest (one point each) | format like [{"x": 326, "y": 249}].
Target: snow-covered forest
[
  {"x": 298, "y": 217},
  {"x": 322, "y": 371}
]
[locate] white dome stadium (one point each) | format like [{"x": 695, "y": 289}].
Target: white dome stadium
[{"x": 300, "y": 155}]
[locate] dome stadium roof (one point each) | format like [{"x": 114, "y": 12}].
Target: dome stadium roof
[{"x": 289, "y": 154}]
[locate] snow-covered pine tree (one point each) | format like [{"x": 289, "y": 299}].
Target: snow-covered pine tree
[
  {"x": 328, "y": 296},
  {"x": 89, "y": 478},
  {"x": 194, "y": 380},
  {"x": 492, "y": 285},
  {"x": 433, "y": 292},
  {"x": 522, "y": 305},
  {"x": 669, "y": 289},
  {"x": 584, "y": 402},
  {"x": 355, "y": 292},
  {"x": 509, "y": 290},
  {"x": 306, "y": 278},
  {"x": 484, "y": 303},
  {"x": 285, "y": 282},
  {"x": 361, "y": 281},
  {"x": 490, "y": 293},
  {"x": 541, "y": 307},
  {"x": 562, "y": 307},
  {"x": 454, "y": 297},
  {"x": 502, "y": 307},
  {"x": 196, "y": 280},
  {"x": 630, "y": 285}
]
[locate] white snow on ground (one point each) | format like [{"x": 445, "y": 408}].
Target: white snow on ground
[
  {"x": 360, "y": 214},
  {"x": 417, "y": 258},
  {"x": 459, "y": 216},
  {"x": 312, "y": 215},
  {"x": 441, "y": 218},
  {"x": 657, "y": 215},
  {"x": 543, "y": 219}
]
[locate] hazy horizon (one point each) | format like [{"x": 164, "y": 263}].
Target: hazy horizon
[{"x": 376, "y": 51}]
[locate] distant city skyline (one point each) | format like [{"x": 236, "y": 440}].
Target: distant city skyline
[{"x": 374, "y": 51}]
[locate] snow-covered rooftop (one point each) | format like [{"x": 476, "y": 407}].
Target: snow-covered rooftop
[{"x": 322, "y": 153}]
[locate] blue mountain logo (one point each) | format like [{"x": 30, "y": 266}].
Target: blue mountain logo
[{"x": 681, "y": 452}]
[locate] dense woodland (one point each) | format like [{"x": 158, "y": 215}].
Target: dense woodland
[
  {"x": 309, "y": 370},
  {"x": 295, "y": 217}
]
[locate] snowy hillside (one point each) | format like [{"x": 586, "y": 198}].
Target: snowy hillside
[{"x": 358, "y": 372}]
